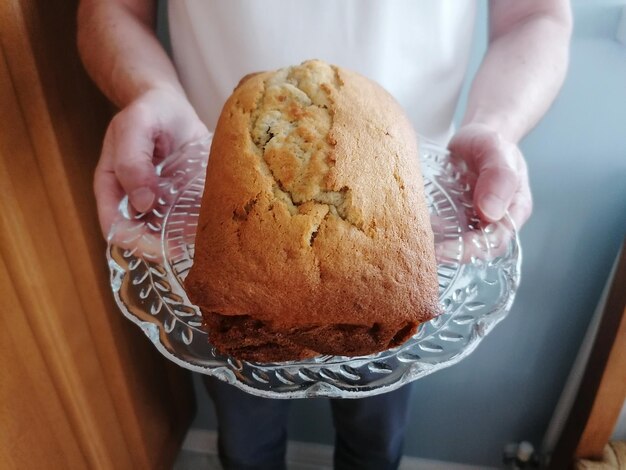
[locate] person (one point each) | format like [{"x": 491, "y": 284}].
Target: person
[{"x": 419, "y": 51}]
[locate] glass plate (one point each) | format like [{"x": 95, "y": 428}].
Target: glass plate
[{"x": 150, "y": 254}]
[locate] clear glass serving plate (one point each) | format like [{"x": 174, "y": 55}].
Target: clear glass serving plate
[{"x": 149, "y": 255}]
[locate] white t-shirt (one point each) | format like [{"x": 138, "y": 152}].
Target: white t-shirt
[{"x": 417, "y": 50}]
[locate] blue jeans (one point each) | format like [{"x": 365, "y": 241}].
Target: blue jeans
[{"x": 252, "y": 431}]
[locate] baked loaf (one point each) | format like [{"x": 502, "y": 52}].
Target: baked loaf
[{"x": 314, "y": 235}]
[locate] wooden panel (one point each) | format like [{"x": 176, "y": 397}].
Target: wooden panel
[
  {"x": 611, "y": 392},
  {"x": 602, "y": 389},
  {"x": 126, "y": 406},
  {"x": 25, "y": 383},
  {"x": 34, "y": 256}
]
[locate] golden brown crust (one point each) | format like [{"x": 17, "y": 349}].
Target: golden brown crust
[{"x": 313, "y": 223}]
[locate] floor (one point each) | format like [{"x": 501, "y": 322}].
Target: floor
[
  {"x": 199, "y": 452},
  {"x": 189, "y": 460}
]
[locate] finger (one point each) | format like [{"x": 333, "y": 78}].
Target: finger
[
  {"x": 106, "y": 188},
  {"x": 136, "y": 235},
  {"x": 108, "y": 196},
  {"x": 522, "y": 204},
  {"x": 133, "y": 158},
  {"x": 494, "y": 160},
  {"x": 498, "y": 179},
  {"x": 475, "y": 244},
  {"x": 494, "y": 191},
  {"x": 519, "y": 212}
]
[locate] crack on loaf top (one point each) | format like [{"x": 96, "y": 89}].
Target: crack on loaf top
[{"x": 291, "y": 128}]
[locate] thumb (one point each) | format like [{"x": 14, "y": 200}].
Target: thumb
[
  {"x": 133, "y": 164},
  {"x": 494, "y": 191},
  {"x": 494, "y": 161}
]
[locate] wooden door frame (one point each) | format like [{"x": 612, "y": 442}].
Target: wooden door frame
[
  {"x": 602, "y": 391},
  {"x": 117, "y": 402}
]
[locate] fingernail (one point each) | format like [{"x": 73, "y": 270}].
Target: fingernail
[
  {"x": 142, "y": 199},
  {"x": 492, "y": 206}
]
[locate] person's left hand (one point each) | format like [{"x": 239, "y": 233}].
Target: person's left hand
[{"x": 502, "y": 184}]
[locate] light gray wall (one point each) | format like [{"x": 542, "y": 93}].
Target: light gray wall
[{"x": 506, "y": 390}]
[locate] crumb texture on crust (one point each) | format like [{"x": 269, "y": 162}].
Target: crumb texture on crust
[{"x": 314, "y": 235}]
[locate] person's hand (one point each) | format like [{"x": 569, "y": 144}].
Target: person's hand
[
  {"x": 502, "y": 183},
  {"x": 137, "y": 139}
]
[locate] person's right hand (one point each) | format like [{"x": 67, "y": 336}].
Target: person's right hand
[{"x": 138, "y": 138}]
